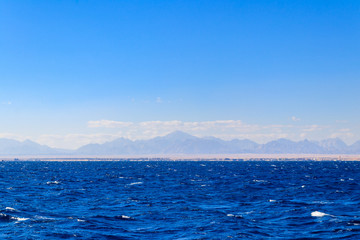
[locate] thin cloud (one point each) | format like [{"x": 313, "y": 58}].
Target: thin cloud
[
  {"x": 159, "y": 100},
  {"x": 295, "y": 119},
  {"x": 225, "y": 129},
  {"x": 342, "y": 121},
  {"x": 108, "y": 124},
  {"x": 73, "y": 141},
  {"x": 342, "y": 135},
  {"x": 13, "y": 136},
  {"x": 312, "y": 128}
]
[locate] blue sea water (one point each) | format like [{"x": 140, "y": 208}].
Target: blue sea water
[{"x": 180, "y": 200}]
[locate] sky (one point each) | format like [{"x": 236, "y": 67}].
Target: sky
[{"x": 78, "y": 72}]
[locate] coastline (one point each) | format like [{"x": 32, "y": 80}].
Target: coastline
[{"x": 191, "y": 157}]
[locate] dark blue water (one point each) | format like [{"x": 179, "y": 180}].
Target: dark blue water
[{"x": 180, "y": 200}]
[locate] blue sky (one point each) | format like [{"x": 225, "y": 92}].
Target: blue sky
[{"x": 74, "y": 72}]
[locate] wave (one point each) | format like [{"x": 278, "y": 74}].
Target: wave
[
  {"x": 52, "y": 182},
  {"x": 135, "y": 183},
  {"x": 319, "y": 214},
  {"x": 8, "y": 218},
  {"x": 10, "y": 209}
]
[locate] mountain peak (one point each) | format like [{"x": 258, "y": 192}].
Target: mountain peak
[
  {"x": 28, "y": 141},
  {"x": 178, "y": 135}
]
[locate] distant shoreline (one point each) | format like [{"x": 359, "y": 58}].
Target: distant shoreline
[{"x": 192, "y": 157}]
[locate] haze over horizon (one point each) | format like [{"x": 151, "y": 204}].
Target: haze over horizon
[
  {"x": 76, "y": 72},
  {"x": 179, "y": 142}
]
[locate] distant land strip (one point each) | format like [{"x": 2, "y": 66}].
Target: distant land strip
[{"x": 194, "y": 157}]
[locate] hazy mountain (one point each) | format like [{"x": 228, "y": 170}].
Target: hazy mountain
[
  {"x": 182, "y": 143},
  {"x": 334, "y": 145},
  {"x": 174, "y": 143},
  {"x": 13, "y": 147},
  {"x": 243, "y": 146},
  {"x": 355, "y": 148},
  {"x": 288, "y": 146},
  {"x": 118, "y": 146}
]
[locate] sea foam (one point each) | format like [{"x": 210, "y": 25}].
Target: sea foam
[{"x": 318, "y": 214}]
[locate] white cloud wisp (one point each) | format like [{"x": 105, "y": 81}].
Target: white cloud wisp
[{"x": 225, "y": 129}]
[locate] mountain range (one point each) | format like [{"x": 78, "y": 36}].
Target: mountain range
[{"x": 183, "y": 143}]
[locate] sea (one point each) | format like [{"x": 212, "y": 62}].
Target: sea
[{"x": 180, "y": 200}]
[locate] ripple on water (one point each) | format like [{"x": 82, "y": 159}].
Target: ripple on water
[{"x": 180, "y": 200}]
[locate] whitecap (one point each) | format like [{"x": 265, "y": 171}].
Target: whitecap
[
  {"x": 271, "y": 200},
  {"x": 19, "y": 219},
  {"x": 52, "y": 182},
  {"x": 318, "y": 214},
  {"x": 256, "y": 180},
  {"x": 11, "y": 209},
  {"x": 135, "y": 183},
  {"x": 80, "y": 220},
  {"x": 6, "y": 217},
  {"x": 124, "y": 217}
]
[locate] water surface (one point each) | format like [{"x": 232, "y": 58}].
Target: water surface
[{"x": 180, "y": 200}]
